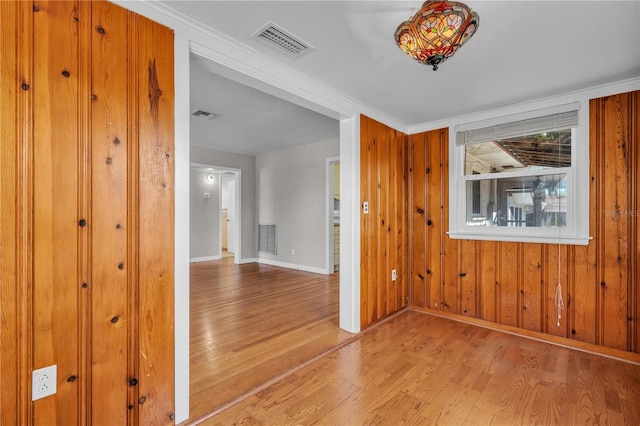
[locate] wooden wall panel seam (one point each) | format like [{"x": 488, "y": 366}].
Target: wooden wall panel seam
[
  {"x": 133, "y": 90},
  {"x": 84, "y": 203},
  {"x": 634, "y": 213},
  {"x": 25, "y": 224}
]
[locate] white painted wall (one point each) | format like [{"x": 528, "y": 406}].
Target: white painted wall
[
  {"x": 292, "y": 194},
  {"x": 247, "y": 166},
  {"x": 204, "y": 217}
]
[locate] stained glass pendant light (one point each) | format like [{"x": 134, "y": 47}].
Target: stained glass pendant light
[{"x": 437, "y": 31}]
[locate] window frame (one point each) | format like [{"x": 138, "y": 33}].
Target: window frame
[{"x": 578, "y": 183}]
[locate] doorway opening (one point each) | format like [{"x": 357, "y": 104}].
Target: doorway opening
[
  {"x": 215, "y": 219},
  {"x": 333, "y": 215}
]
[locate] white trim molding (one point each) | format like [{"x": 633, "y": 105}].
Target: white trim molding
[
  {"x": 288, "y": 265},
  {"x": 204, "y": 258}
]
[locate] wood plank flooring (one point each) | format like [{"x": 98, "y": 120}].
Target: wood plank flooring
[
  {"x": 251, "y": 323},
  {"x": 421, "y": 369}
]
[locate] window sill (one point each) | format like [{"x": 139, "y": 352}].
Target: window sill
[{"x": 545, "y": 239}]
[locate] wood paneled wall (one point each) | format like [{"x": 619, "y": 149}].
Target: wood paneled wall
[
  {"x": 384, "y": 239},
  {"x": 514, "y": 283},
  {"x": 87, "y": 213}
]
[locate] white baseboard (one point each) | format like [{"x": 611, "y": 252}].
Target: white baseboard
[
  {"x": 204, "y": 258},
  {"x": 243, "y": 261},
  {"x": 288, "y": 265}
]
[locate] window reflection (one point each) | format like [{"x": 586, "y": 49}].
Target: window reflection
[
  {"x": 539, "y": 151},
  {"x": 522, "y": 201}
]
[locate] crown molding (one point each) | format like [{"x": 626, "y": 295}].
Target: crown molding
[
  {"x": 581, "y": 95},
  {"x": 251, "y": 67}
]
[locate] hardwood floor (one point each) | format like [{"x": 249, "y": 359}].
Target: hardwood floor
[
  {"x": 421, "y": 369},
  {"x": 251, "y": 323}
]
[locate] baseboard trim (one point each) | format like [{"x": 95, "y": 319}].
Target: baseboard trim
[
  {"x": 294, "y": 266},
  {"x": 244, "y": 261},
  {"x": 204, "y": 258}
]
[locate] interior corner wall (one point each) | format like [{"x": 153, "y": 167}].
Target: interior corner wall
[
  {"x": 204, "y": 216},
  {"x": 292, "y": 194},
  {"x": 247, "y": 166},
  {"x": 383, "y": 226},
  {"x": 512, "y": 285}
]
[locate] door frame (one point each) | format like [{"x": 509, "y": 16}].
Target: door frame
[{"x": 330, "y": 242}]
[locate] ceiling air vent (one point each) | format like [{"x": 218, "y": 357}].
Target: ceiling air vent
[
  {"x": 282, "y": 39},
  {"x": 206, "y": 114}
]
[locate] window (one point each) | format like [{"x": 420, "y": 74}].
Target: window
[{"x": 521, "y": 178}]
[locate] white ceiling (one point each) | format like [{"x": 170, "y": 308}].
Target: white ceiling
[{"x": 523, "y": 50}]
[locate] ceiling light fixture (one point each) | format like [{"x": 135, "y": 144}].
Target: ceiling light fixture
[
  {"x": 210, "y": 178},
  {"x": 437, "y": 31}
]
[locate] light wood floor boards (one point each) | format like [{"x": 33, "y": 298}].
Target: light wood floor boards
[
  {"x": 421, "y": 369},
  {"x": 251, "y": 323}
]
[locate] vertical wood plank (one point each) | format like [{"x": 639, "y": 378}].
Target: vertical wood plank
[
  {"x": 467, "y": 277},
  {"x": 419, "y": 278},
  {"x": 16, "y": 168},
  {"x": 532, "y": 285},
  {"x": 508, "y": 283},
  {"x": 109, "y": 282},
  {"x": 583, "y": 291},
  {"x": 394, "y": 249},
  {"x": 84, "y": 207},
  {"x": 9, "y": 322},
  {"x": 133, "y": 219},
  {"x": 404, "y": 215},
  {"x": 634, "y": 222},
  {"x": 450, "y": 248},
  {"x": 382, "y": 234},
  {"x": 55, "y": 206},
  {"x": 488, "y": 280},
  {"x": 368, "y": 242},
  {"x": 584, "y": 296},
  {"x": 155, "y": 222},
  {"x": 556, "y": 258},
  {"x": 434, "y": 175},
  {"x": 613, "y": 255}
]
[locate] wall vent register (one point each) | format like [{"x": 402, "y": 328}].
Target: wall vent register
[
  {"x": 267, "y": 242},
  {"x": 282, "y": 39}
]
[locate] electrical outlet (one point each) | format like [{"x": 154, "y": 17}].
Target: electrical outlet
[
  {"x": 394, "y": 275},
  {"x": 365, "y": 207},
  {"x": 293, "y": 252},
  {"x": 43, "y": 382}
]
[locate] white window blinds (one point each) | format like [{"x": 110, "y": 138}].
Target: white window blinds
[{"x": 560, "y": 118}]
